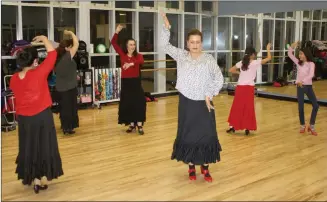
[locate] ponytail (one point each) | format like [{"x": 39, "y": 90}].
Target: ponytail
[{"x": 245, "y": 62}]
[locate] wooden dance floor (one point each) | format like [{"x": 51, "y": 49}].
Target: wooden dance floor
[
  {"x": 102, "y": 162},
  {"x": 320, "y": 88}
]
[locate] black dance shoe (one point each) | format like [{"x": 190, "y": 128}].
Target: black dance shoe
[
  {"x": 130, "y": 129},
  {"x": 247, "y": 132},
  {"x": 230, "y": 130},
  {"x": 37, "y": 188},
  {"x": 69, "y": 132},
  {"x": 140, "y": 130}
]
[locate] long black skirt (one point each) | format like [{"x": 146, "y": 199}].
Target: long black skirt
[
  {"x": 68, "y": 109},
  {"x": 132, "y": 105},
  {"x": 38, "y": 154},
  {"x": 197, "y": 139}
]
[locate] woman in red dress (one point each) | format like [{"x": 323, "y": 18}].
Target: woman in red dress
[
  {"x": 242, "y": 113},
  {"x": 132, "y": 105},
  {"x": 38, "y": 154}
]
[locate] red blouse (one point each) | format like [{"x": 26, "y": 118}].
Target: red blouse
[
  {"x": 132, "y": 71},
  {"x": 32, "y": 94}
]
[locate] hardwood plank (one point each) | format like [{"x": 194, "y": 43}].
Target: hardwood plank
[{"x": 102, "y": 162}]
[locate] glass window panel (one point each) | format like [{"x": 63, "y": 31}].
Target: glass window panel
[
  {"x": 147, "y": 77},
  {"x": 34, "y": 22},
  {"x": 317, "y": 15},
  {"x": 124, "y": 4},
  {"x": 124, "y": 18},
  {"x": 324, "y": 14},
  {"x": 190, "y": 6},
  {"x": 171, "y": 75},
  {"x": 290, "y": 32},
  {"x": 146, "y": 29},
  {"x": 191, "y": 22},
  {"x": 238, "y": 34},
  {"x": 280, "y": 15},
  {"x": 306, "y": 14},
  {"x": 268, "y": 15},
  {"x": 174, "y": 21},
  {"x": 146, "y": 3},
  {"x": 100, "y": 2},
  {"x": 36, "y": 2},
  {"x": 172, "y": 4},
  {"x": 100, "y": 61},
  {"x": 251, "y": 32},
  {"x": 315, "y": 31},
  {"x": 207, "y": 32},
  {"x": 207, "y": 6},
  {"x": 64, "y": 19},
  {"x": 223, "y": 63},
  {"x": 8, "y": 28},
  {"x": 324, "y": 31},
  {"x": 279, "y": 34},
  {"x": 267, "y": 33},
  {"x": 265, "y": 69},
  {"x": 223, "y": 33},
  {"x": 290, "y": 14},
  {"x": 99, "y": 29},
  {"x": 306, "y": 31}
]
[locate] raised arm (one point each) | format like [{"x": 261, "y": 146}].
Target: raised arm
[
  {"x": 268, "y": 58},
  {"x": 114, "y": 40},
  {"x": 290, "y": 53},
  {"x": 48, "y": 64},
  {"x": 174, "y": 52},
  {"x": 217, "y": 80},
  {"x": 75, "y": 46}
]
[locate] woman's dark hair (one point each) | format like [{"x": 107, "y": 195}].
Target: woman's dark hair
[
  {"x": 246, "y": 59},
  {"x": 125, "y": 47},
  {"x": 61, "y": 48},
  {"x": 26, "y": 57},
  {"x": 195, "y": 32},
  {"x": 308, "y": 54}
]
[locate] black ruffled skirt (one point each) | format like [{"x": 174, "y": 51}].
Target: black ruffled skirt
[
  {"x": 132, "y": 105},
  {"x": 197, "y": 139},
  {"x": 38, "y": 154}
]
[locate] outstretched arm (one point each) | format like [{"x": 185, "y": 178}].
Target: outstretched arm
[
  {"x": 114, "y": 40},
  {"x": 268, "y": 58},
  {"x": 290, "y": 52},
  {"x": 174, "y": 52}
]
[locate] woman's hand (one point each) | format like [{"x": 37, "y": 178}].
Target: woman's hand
[
  {"x": 268, "y": 46},
  {"x": 127, "y": 65},
  {"x": 119, "y": 28},
  {"x": 299, "y": 84},
  {"x": 165, "y": 19},
  {"x": 209, "y": 106},
  {"x": 67, "y": 32},
  {"x": 295, "y": 44}
]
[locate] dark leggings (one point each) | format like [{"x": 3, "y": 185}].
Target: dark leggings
[{"x": 312, "y": 97}]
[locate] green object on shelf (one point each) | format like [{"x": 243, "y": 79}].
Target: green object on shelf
[{"x": 101, "y": 48}]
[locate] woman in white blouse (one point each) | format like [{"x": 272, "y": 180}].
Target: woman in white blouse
[{"x": 198, "y": 79}]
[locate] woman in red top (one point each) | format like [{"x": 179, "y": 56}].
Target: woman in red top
[
  {"x": 132, "y": 105},
  {"x": 38, "y": 154}
]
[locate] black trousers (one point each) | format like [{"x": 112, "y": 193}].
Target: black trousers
[
  {"x": 68, "y": 109},
  {"x": 307, "y": 89}
]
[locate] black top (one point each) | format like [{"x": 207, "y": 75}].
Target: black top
[{"x": 66, "y": 73}]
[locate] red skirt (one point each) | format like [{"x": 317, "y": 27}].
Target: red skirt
[{"x": 242, "y": 113}]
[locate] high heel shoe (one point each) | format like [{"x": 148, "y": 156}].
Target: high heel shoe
[
  {"x": 192, "y": 173},
  {"x": 302, "y": 130},
  {"x": 230, "y": 130},
  {"x": 313, "y": 132},
  {"x": 205, "y": 172},
  {"x": 37, "y": 188},
  {"x": 69, "y": 132},
  {"x": 130, "y": 129},
  {"x": 247, "y": 132},
  {"x": 140, "y": 130}
]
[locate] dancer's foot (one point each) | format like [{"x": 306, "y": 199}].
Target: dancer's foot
[
  {"x": 130, "y": 129},
  {"x": 312, "y": 130},
  {"x": 140, "y": 130},
  {"x": 69, "y": 132},
  {"x": 302, "y": 129},
  {"x": 231, "y": 130},
  {"x": 247, "y": 132},
  {"x": 205, "y": 172},
  {"x": 192, "y": 172}
]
